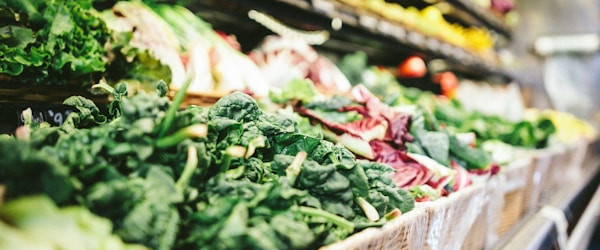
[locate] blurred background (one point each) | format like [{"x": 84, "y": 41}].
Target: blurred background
[{"x": 566, "y": 81}]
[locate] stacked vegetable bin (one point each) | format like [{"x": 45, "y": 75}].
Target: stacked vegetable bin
[{"x": 192, "y": 144}]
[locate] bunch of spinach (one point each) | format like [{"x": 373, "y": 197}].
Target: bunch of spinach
[{"x": 229, "y": 176}]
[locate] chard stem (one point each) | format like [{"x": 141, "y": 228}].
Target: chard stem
[{"x": 393, "y": 214}]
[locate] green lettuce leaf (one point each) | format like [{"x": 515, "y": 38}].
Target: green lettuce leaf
[{"x": 56, "y": 42}]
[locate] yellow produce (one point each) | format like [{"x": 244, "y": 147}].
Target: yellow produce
[
  {"x": 569, "y": 128},
  {"x": 430, "y": 21}
]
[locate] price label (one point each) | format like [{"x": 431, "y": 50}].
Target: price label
[{"x": 55, "y": 116}]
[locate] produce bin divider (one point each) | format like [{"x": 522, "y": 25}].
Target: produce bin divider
[
  {"x": 451, "y": 218},
  {"x": 513, "y": 185},
  {"x": 406, "y": 232}
]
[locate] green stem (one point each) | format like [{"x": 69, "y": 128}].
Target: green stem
[
  {"x": 393, "y": 214},
  {"x": 190, "y": 166},
  {"x": 2, "y": 191},
  {"x": 335, "y": 219},
  {"x": 258, "y": 142},
  {"x": 293, "y": 170},
  {"x": 368, "y": 209},
  {"x": 193, "y": 131},
  {"x": 172, "y": 111},
  {"x": 230, "y": 153},
  {"x": 115, "y": 121}
]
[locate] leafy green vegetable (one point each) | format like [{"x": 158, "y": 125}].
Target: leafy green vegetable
[
  {"x": 475, "y": 158},
  {"x": 436, "y": 145},
  {"x": 339, "y": 117},
  {"x": 353, "y": 65},
  {"x": 21, "y": 164},
  {"x": 382, "y": 193},
  {"x": 238, "y": 106},
  {"x": 187, "y": 26},
  {"x": 129, "y": 62},
  {"x": 34, "y": 222},
  {"x": 530, "y": 134},
  {"x": 297, "y": 89},
  {"x": 330, "y": 104},
  {"x": 52, "y": 42},
  {"x": 421, "y": 191},
  {"x": 234, "y": 185}
]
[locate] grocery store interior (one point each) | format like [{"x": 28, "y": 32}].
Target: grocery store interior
[{"x": 300, "y": 124}]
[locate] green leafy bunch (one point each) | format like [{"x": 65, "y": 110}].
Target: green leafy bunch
[
  {"x": 51, "y": 41},
  {"x": 228, "y": 176}
]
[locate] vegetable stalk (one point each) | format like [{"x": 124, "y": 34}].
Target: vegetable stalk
[
  {"x": 368, "y": 209},
  {"x": 335, "y": 219},
  {"x": 172, "y": 111},
  {"x": 258, "y": 142},
  {"x": 2, "y": 190},
  {"x": 193, "y": 131},
  {"x": 190, "y": 165},
  {"x": 230, "y": 153},
  {"x": 393, "y": 214},
  {"x": 293, "y": 170}
]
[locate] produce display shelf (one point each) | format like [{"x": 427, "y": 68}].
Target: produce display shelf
[
  {"x": 384, "y": 42},
  {"x": 483, "y": 15},
  {"x": 466, "y": 14},
  {"x": 567, "y": 219}
]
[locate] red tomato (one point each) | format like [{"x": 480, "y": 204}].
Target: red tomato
[
  {"x": 447, "y": 81},
  {"x": 412, "y": 67}
]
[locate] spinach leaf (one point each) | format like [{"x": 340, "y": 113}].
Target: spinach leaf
[{"x": 474, "y": 158}]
